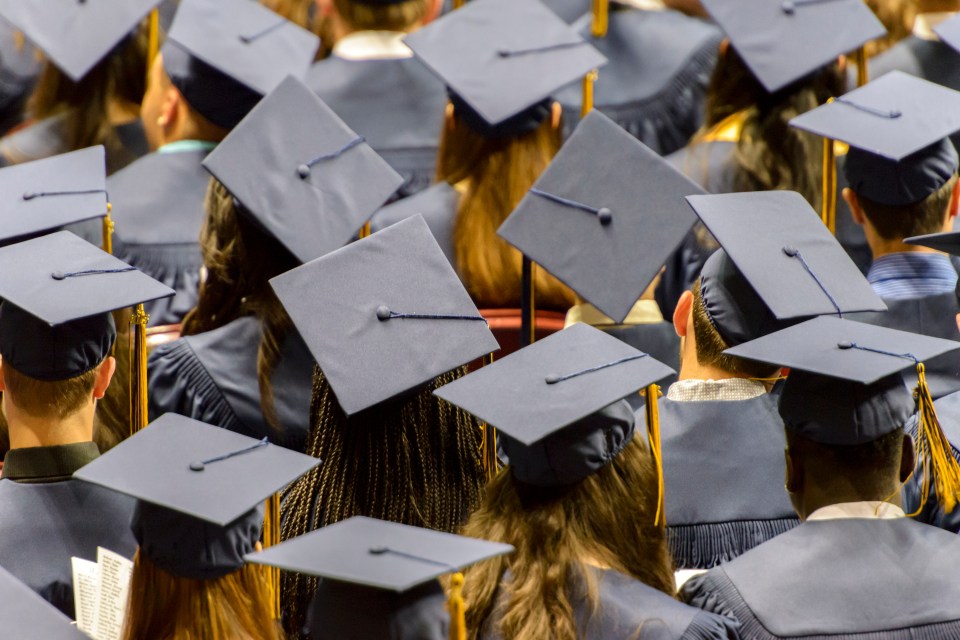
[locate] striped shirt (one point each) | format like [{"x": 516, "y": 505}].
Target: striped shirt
[{"x": 898, "y": 276}]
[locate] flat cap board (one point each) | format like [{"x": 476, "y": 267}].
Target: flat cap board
[
  {"x": 155, "y": 466},
  {"x": 949, "y": 31},
  {"x": 608, "y": 261},
  {"x": 514, "y": 395},
  {"x": 948, "y": 242},
  {"x": 27, "y": 615},
  {"x": 265, "y": 163}
]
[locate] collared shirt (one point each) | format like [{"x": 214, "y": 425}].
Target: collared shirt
[
  {"x": 924, "y": 23},
  {"x": 912, "y": 274},
  {"x": 48, "y": 464},
  {"x": 643, "y": 312},
  {"x": 372, "y": 45},
  {"x": 873, "y": 510},
  {"x": 726, "y": 390}
]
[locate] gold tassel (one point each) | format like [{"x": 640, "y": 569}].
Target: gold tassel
[
  {"x": 19, "y": 41},
  {"x": 934, "y": 453},
  {"x": 488, "y": 443},
  {"x": 863, "y": 72},
  {"x": 456, "y": 608},
  {"x": 601, "y": 18},
  {"x": 271, "y": 537},
  {"x": 365, "y": 230},
  {"x": 153, "y": 39},
  {"x": 588, "y": 81},
  {"x": 457, "y": 4},
  {"x": 829, "y": 205},
  {"x": 138, "y": 369},
  {"x": 653, "y": 437},
  {"x": 108, "y": 230}
]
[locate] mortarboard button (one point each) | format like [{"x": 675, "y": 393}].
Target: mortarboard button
[{"x": 384, "y": 315}]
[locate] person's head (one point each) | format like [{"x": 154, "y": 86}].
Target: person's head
[
  {"x": 897, "y": 17},
  {"x": 348, "y": 16}
]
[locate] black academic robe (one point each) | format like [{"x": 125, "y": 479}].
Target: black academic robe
[
  {"x": 438, "y": 206},
  {"x": 396, "y": 104},
  {"x": 852, "y": 578},
  {"x": 158, "y": 209},
  {"x": 212, "y": 377},
  {"x": 654, "y": 83},
  {"x": 627, "y": 608},
  {"x": 934, "y": 316},
  {"x": 344, "y": 611},
  {"x": 723, "y": 473},
  {"x": 42, "y": 526}
]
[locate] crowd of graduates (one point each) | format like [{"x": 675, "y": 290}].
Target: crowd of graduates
[{"x": 481, "y": 319}]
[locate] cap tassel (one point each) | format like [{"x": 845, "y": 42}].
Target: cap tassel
[
  {"x": 488, "y": 443},
  {"x": 108, "y": 228},
  {"x": 555, "y": 378},
  {"x": 601, "y": 18},
  {"x": 588, "y": 82},
  {"x": 303, "y": 170},
  {"x": 457, "y": 609},
  {"x": 384, "y": 313},
  {"x": 795, "y": 253},
  {"x": 653, "y": 437},
  {"x": 604, "y": 215},
  {"x": 138, "y": 370},
  {"x": 271, "y": 537},
  {"x": 934, "y": 452},
  {"x": 153, "y": 39}
]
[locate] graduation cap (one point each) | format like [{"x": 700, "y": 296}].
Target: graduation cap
[
  {"x": 604, "y": 216},
  {"x": 897, "y": 128},
  {"x": 949, "y": 31},
  {"x": 779, "y": 245},
  {"x": 225, "y": 55},
  {"x": 27, "y": 615},
  {"x": 384, "y": 315},
  {"x": 557, "y": 402},
  {"x": 501, "y": 60},
  {"x": 75, "y": 35},
  {"x": 845, "y": 388},
  {"x": 301, "y": 173},
  {"x": 48, "y": 194},
  {"x": 377, "y": 555},
  {"x": 782, "y": 41},
  {"x": 58, "y": 292},
  {"x": 198, "y": 488},
  {"x": 948, "y": 242}
]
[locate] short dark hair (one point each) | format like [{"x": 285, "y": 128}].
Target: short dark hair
[
  {"x": 41, "y": 399},
  {"x": 867, "y": 467},
  {"x": 392, "y": 17},
  {"x": 918, "y": 219}
]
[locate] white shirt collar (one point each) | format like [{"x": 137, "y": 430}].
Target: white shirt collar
[
  {"x": 924, "y": 23},
  {"x": 372, "y": 45},
  {"x": 648, "y": 5},
  {"x": 874, "y": 510},
  {"x": 642, "y": 312}
]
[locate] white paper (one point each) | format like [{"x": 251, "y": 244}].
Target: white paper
[
  {"x": 86, "y": 583},
  {"x": 100, "y": 590},
  {"x": 683, "y": 575}
]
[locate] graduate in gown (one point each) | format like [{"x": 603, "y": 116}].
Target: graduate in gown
[
  {"x": 373, "y": 81},
  {"x": 374, "y": 421},
  {"x": 285, "y": 193},
  {"x": 855, "y": 567},
  {"x": 199, "y": 511},
  {"x": 56, "y": 337},
  {"x": 659, "y": 63},
  {"x": 91, "y": 84},
  {"x": 578, "y": 500},
  {"x": 201, "y": 86}
]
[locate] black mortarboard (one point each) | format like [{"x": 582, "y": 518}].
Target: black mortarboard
[
  {"x": 27, "y": 615},
  {"x": 604, "y": 216},
  {"x": 501, "y": 59},
  {"x": 75, "y": 35},
  {"x": 199, "y": 489},
  {"x": 897, "y": 128},
  {"x": 948, "y": 242},
  {"x": 557, "y": 401},
  {"x": 845, "y": 385},
  {"x": 782, "y": 41},
  {"x": 301, "y": 173},
  {"x": 786, "y": 254},
  {"x": 48, "y": 194},
  {"x": 368, "y": 314},
  {"x": 949, "y": 31},
  {"x": 58, "y": 292},
  {"x": 224, "y": 55}
]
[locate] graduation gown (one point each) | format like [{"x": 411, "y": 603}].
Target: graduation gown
[
  {"x": 212, "y": 377},
  {"x": 43, "y": 525},
  {"x": 883, "y": 579},
  {"x": 723, "y": 472},
  {"x": 934, "y": 316},
  {"x": 627, "y": 606},
  {"x": 396, "y": 104},
  {"x": 438, "y": 206},
  {"x": 158, "y": 211},
  {"x": 654, "y": 83}
]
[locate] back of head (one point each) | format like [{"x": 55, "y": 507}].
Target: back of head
[{"x": 374, "y": 15}]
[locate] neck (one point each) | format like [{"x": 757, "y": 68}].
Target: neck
[
  {"x": 32, "y": 431},
  {"x": 815, "y": 498},
  {"x": 690, "y": 367},
  {"x": 880, "y": 247}
]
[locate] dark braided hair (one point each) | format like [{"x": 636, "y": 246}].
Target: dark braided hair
[{"x": 413, "y": 460}]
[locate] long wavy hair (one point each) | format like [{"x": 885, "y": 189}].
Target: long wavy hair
[
  {"x": 413, "y": 460},
  {"x": 770, "y": 154},
  {"x": 163, "y": 606},
  {"x": 240, "y": 258},
  {"x": 897, "y": 16},
  {"x": 606, "y": 518},
  {"x": 496, "y": 173}
]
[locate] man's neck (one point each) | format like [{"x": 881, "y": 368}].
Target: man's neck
[
  {"x": 29, "y": 431},
  {"x": 880, "y": 248}
]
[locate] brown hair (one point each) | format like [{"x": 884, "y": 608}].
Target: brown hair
[
  {"x": 121, "y": 74},
  {"x": 391, "y": 17},
  {"x": 770, "y": 154},
  {"x": 711, "y": 345},
  {"x": 305, "y": 14},
  {"x": 166, "y": 607},
  {"x": 240, "y": 259},
  {"x": 897, "y": 16},
  {"x": 920, "y": 218},
  {"x": 607, "y": 518},
  {"x": 42, "y": 399},
  {"x": 497, "y": 172},
  {"x": 413, "y": 460}
]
